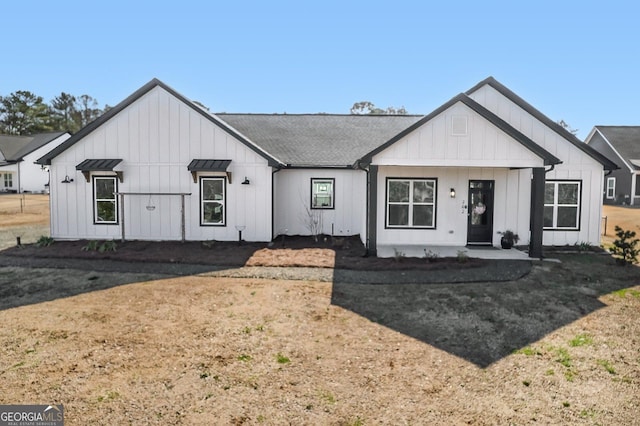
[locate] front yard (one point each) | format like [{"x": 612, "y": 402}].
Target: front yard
[{"x": 559, "y": 346}]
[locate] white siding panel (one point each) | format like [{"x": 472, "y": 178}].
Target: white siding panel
[
  {"x": 511, "y": 211},
  {"x": 576, "y": 164},
  {"x": 157, "y": 136},
  {"x": 432, "y": 144},
  {"x": 293, "y": 194}
]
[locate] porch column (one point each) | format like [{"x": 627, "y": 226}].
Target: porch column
[
  {"x": 372, "y": 211},
  {"x": 537, "y": 212}
]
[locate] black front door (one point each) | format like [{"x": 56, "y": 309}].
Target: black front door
[{"x": 480, "y": 214}]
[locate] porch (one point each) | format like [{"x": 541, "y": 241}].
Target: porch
[{"x": 480, "y": 252}]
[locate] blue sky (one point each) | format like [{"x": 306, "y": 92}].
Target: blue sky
[{"x": 577, "y": 63}]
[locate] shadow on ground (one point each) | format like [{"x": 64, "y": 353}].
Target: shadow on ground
[{"x": 483, "y": 322}]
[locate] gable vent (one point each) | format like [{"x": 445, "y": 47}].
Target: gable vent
[{"x": 459, "y": 125}]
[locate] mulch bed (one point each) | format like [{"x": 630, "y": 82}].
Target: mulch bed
[{"x": 327, "y": 252}]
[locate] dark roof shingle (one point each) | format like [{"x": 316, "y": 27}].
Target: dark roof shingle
[
  {"x": 625, "y": 140},
  {"x": 320, "y": 140}
]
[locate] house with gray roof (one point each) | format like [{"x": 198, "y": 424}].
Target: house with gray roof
[
  {"x": 159, "y": 167},
  {"x": 622, "y": 145},
  {"x": 19, "y": 171}
]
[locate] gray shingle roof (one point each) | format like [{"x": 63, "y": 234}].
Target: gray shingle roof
[
  {"x": 14, "y": 148},
  {"x": 321, "y": 140},
  {"x": 625, "y": 139}
]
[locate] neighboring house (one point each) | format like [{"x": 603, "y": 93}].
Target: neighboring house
[
  {"x": 622, "y": 145},
  {"x": 19, "y": 171},
  {"x": 158, "y": 167}
]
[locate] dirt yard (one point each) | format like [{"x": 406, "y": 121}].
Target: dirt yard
[
  {"x": 23, "y": 215},
  {"x": 560, "y": 345}
]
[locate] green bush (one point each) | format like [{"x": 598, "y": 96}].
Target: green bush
[
  {"x": 44, "y": 241},
  {"x": 625, "y": 248}
]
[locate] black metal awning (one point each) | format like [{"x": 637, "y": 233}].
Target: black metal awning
[
  {"x": 99, "y": 165},
  {"x": 202, "y": 165}
]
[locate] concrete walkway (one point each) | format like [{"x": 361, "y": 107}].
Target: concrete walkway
[{"x": 479, "y": 252}]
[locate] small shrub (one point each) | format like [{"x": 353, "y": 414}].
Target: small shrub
[
  {"x": 91, "y": 246},
  {"x": 462, "y": 256},
  {"x": 625, "y": 248},
  {"x": 431, "y": 256},
  {"x": 566, "y": 404},
  {"x": 95, "y": 245},
  {"x": 108, "y": 246},
  {"x": 244, "y": 358},
  {"x": 398, "y": 255},
  {"x": 583, "y": 246},
  {"x": 526, "y": 383},
  {"x": 44, "y": 241}
]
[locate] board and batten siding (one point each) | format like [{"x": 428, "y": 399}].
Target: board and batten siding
[
  {"x": 157, "y": 136},
  {"x": 576, "y": 165},
  {"x": 293, "y": 197},
  {"x": 434, "y": 144},
  {"x": 511, "y": 204},
  {"x": 484, "y": 152}
]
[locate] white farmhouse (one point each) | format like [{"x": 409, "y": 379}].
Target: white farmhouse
[
  {"x": 19, "y": 171},
  {"x": 158, "y": 167}
]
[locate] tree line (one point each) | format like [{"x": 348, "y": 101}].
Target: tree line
[{"x": 24, "y": 113}]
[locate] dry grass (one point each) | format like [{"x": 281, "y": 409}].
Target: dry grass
[
  {"x": 625, "y": 217},
  {"x": 206, "y": 350},
  {"x": 24, "y": 209}
]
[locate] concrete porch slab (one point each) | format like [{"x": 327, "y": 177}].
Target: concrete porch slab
[{"x": 480, "y": 252}]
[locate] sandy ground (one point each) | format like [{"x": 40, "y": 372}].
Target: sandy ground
[{"x": 558, "y": 346}]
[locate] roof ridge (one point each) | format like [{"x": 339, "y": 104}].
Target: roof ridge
[{"x": 315, "y": 114}]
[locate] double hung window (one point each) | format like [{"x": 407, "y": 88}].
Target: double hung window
[
  {"x": 411, "y": 203},
  {"x": 322, "y": 193},
  {"x": 105, "y": 208},
  {"x": 562, "y": 205},
  {"x": 212, "y": 201}
]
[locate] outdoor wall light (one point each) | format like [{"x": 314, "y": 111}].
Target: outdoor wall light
[
  {"x": 452, "y": 192},
  {"x": 246, "y": 181},
  {"x": 66, "y": 179}
]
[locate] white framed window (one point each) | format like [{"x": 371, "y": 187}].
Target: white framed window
[
  {"x": 105, "y": 201},
  {"x": 8, "y": 180},
  {"x": 411, "y": 203},
  {"x": 611, "y": 188},
  {"x": 322, "y": 195},
  {"x": 213, "y": 201},
  {"x": 562, "y": 205}
]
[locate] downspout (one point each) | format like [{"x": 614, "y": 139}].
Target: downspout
[
  {"x": 276, "y": 169},
  {"x": 358, "y": 166},
  {"x": 18, "y": 178}
]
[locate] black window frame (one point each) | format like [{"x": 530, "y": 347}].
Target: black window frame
[
  {"x": 202, "y": 201},
  {"x": 556, "y": 182},
  {"x": 411, "y": 203},
  {"x": 116, "y": 204},
  {"x": 333, "y": 193}
]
